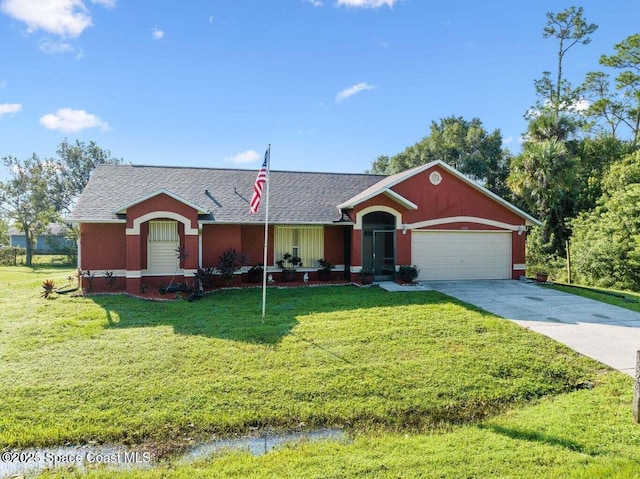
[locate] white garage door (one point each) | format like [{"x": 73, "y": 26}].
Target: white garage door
[{"x": 450, "y": 255}]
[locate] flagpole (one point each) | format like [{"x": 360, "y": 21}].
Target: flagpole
[{"x": 266, "y": 238}]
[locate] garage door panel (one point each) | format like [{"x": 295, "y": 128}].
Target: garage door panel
[{"x": 451, "y": 255}]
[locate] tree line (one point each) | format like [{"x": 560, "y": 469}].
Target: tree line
[
  {"x": 41, "y": 191},
  {"x": 579, "y": 168}
]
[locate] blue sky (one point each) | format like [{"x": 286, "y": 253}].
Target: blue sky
[{"x": 331, "y": 84}]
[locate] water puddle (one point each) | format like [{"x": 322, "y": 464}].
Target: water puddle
[
  {"x": 261, "y": 444},
  {"x": 29, "y": 462}
]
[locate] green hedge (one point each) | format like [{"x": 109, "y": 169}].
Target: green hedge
[{"x": 9, "y": 255}]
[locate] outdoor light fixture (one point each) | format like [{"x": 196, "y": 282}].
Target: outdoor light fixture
[{"x": 521, "y": 229}]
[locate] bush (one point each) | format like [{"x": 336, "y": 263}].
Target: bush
[
  {"x": 9, "y": 255},
  {"x": 204, "y": 276},
  {"x": 408, "y": 273},
  {"x": 230, "y": 262},
  {"x": 540, "y": 257},
  {"x": 48, "y": 287},
  {"x": 606, "y": 242}
]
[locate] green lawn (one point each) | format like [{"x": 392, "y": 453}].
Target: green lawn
[
  {"x": 624, "y": 299},
  {"x": 426, "y": 384}
]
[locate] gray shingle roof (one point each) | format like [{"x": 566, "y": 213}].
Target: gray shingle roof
[{"x": 295, "y": 197}]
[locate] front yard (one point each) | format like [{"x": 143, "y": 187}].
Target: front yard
[{"x": 427, "y": 386}]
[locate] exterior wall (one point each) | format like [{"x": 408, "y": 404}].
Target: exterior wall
[
  {"x": 216, "y": 239},
  {"x": 518, "y": 251},
  {"x": 102, "y": 247},
  {"x": 334, "y": 244},
  {"x": 252, "y": 237},
  {"x": 452, "y": 198}
]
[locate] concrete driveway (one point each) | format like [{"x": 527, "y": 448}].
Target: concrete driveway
[{"x": 603, "y": 332}]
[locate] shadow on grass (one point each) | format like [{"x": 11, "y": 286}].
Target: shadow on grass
[
  {"x": 236, "y": 314},
  {"x": 206, "y": 317},
  {"x": 534, "y": 436}
]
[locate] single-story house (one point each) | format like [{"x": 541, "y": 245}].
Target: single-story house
[
  {"x": 133, "y": 218},
  {"x": 53, "y": 240}
]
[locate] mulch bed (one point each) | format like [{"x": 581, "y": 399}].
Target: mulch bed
[{"x": 155, "y": 295}]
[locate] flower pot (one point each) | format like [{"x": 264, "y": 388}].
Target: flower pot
[
  {"x": 288, "y": 276},
  {"x": 366, "y": 278},
  {"x": 324, "y": 275},
  {"x": 254, "y": 276},
  {"x": 542, "y": 277}
]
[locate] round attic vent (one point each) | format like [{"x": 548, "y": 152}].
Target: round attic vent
[{"x": 435, "y": 178}]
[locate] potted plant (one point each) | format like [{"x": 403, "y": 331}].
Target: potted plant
[
  {"x": 254, "y": 275},
  {"x": 289, "y": 264},
  {"x": 324, "y": 273},
  {"x": 542, "y": 277},
  {"x": 366, "y": 276}
]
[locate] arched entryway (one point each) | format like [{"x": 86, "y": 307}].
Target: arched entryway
[{"x": 379, "y": 244}]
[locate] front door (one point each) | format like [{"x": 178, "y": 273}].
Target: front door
[
  {"x": 384, "y": 258},
  {"x": 379, "y": 245}
]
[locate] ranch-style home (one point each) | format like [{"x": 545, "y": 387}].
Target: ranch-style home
[{"x": 133, "y": 218}]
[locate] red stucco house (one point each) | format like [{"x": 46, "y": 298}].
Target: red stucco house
[{"x": 132, "y": 218}]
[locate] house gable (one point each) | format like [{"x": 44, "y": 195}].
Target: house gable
[
  {"x": 162, "y": 191},
  {"x": 439, "y": 191},
  {"x": 161, "y": 206}
]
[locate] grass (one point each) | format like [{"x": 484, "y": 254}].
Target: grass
[
  {"x": 584, "y": 434},
  {"x": 624, "y": 299},
  {"x": 429, "y": 386}
]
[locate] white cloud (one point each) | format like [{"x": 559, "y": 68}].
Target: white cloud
[
  {"x": 72, "y": 121},
  {"x": 6, "y": 108},
  {"x": 346, "y": 93},
  {"x": 211, "y": 18},
  {"x": 365, "y": 3},
  {"x": 67, "y": 18},
  {"x": 53, "y": 48},
  {"x": 248, "y": 156},
  {"x": 580, "y": 105},
  {"x": 157, "y": 34},
  {"x": 316, "y": 3},
  {"x": 507, "y": 140}
]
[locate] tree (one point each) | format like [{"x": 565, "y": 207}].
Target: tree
[
  {"x": 75, "y": 165},
  {"x": 604, "y": 106},
  {"x": 570, "y": 28},
  {"x": 26, "y": 198},
  {"x": 627, "y": 58},
  {"x": 4, "y": 232},
  {"x": 606, "y": 240},
  {"x": 465, "y": 145},
  {"x": 595, "y": 156},
  {"x": 542, "y": 179}
]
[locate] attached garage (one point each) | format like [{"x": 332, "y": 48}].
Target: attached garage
[{"x": 456, "y": 255}]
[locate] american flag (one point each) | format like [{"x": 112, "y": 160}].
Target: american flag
[{"x": 258, "y": 185}]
